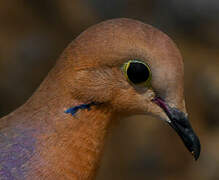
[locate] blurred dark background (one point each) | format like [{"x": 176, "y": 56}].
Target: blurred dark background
[{"x": 33, "y": 33}]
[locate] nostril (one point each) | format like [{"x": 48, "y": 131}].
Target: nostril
[{"x": 160, "y": 102}]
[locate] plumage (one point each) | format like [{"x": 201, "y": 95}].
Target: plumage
[{"x": 42, "y": 140}]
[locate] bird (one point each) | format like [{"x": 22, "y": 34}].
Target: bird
[{"x": 116, "y": 68}]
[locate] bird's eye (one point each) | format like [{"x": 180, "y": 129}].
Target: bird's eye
[{"x": 137, "y": 72}]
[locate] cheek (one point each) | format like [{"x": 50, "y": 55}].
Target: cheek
[
  {"x": 93, "y": 86},
  {"x": 92, "y": 91},
  {"x": 130, "y": 102}
]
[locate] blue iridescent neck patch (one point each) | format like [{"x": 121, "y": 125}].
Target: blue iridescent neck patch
[{"x": 74, "y": 110}]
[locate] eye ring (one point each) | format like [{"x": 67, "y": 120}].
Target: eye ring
[{"x": 137, "y": 72}]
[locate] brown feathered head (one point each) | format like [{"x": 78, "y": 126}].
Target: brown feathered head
[{"x": 130, "y": 68}]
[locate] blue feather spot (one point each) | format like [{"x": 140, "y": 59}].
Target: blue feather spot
[{"x": 74, "y": 110}]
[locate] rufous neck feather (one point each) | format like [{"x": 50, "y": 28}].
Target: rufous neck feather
[{"x": 61, "y": 146}]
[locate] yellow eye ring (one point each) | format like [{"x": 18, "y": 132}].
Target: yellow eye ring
[{"x": 137, "y": 72}]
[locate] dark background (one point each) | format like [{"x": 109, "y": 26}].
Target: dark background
[{"x": 33, "y": 33}]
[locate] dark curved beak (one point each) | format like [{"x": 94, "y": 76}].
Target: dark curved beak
[{"x": 180, "y": 123}]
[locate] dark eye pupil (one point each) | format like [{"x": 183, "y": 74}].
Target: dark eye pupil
[{"x": 138, "y": 72}]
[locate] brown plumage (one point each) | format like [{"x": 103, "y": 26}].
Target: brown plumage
[{"x": 40, "y": 141}]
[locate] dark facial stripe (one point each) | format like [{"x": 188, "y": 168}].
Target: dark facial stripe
[{"x": 74, "y": 110}]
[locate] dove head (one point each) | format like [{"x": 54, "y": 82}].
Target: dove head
[
  {"x": 96, "y": 63},
  {"x": 130, "y": 68}
]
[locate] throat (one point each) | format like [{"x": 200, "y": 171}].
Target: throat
[{"x": 71, "y": 148}]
